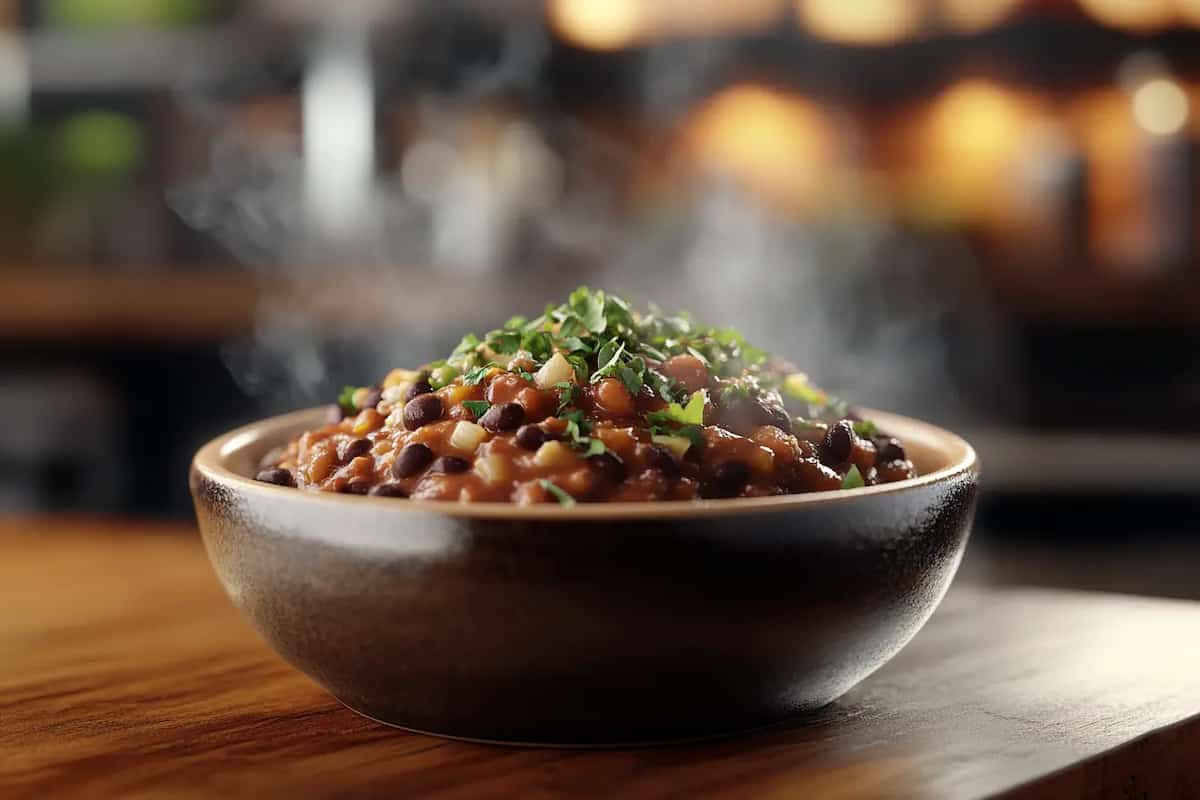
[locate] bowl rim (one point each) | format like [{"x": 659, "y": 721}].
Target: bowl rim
[{"x": 210, "y": 462}]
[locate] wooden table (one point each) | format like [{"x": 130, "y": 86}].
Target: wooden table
[{"x": 125, "y": 672}]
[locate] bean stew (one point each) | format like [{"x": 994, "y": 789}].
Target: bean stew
[{"x": 592, "y": 401}]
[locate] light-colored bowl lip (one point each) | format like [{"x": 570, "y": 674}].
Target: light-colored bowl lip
[{"x": 210, "y": 460}]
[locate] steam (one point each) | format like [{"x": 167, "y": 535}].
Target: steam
[{"x": 496, "y": 207}]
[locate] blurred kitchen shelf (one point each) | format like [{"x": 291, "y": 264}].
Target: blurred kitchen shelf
[
  {"x": 1090, "y": 295},
  {"x": 214, "y": 303},
  {"x": 1017, "y": 461},
  {"x": 55, "y": 305},
  {"x": 121, "y": 60}
]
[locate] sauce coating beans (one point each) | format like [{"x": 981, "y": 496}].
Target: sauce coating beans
[
  {"x": 504, "y": 417},
  {"x": 411, "y": 459},
  {"x": 591, "y": 402},
  {"x": 422, "y": 410}
]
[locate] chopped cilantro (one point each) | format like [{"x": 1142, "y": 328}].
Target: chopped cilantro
[
  {"x": 540, "y": 344},
  {"x": 475, "y": 376},
  {"x": 504, "y": 341},
  {"x": 346, "y": 399},
  {"x": 609, "y": 359},
  {"x": 692, "y": 414},
  {"x": 601, "y": 336},
  {"x": 853, "y": 479},
  {"x": 693, "y": 433},
  {"x": 477, "y": 407},
  {"x": 467, "y": 344},
  {"x": 589, "y": 306},
  {"x": 569, "y": 390},
  {"x": 864, "y": 427},
  {"x": 574, "y": 344},
  {"x": 565, "y": 500}
]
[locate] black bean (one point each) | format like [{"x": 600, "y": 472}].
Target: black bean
[
  {"x": 411, "y": 459},
  {"x": 450, "y": 465},
  {"x": 663, "y": 460},
  {"x": 422, "y": 386},
  {"x": 388, "y": 490},
  {"x": 357, "y": 487},
  {"x": 729, "y": 478},
  {"x": 742, "y": 415},
  {"x": 371, "y": 398},
  {"x": 422, "y": 410},
  {"x": 352, "y": 449},
  {"x": 889, "y": 450},
  {"x": 609, "y": 466},
  {"x": 530, "y": 437},
  {"x": 895, "y": 471},
  {"x": 777, "y": 416},
  {"x": 503, "y": 417},
  {"x": 276, "y": 475},
  {"x": 838, "y": 442}
]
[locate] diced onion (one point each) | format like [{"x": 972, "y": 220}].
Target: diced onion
[
  {"x": 554, "y": 371},
  {"x": 493, "y": 469},
  {"x": 554, "y": 454},
  {"x": 398, "y": 376},
  {"x": 467, "y": 436}
]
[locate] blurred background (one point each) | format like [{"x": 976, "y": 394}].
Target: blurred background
[{"x": 981, "y": 212}]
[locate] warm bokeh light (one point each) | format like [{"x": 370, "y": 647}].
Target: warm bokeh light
[
  {"x": 598, "y": 24},
  {"x": 613, "y": 24},
  {"x": 973, "y": 135},
  {"x": 1102, "y": 121},
  {"x": 971, "y": 16},
  {"x": 871, "y": 22},
  {"x": 1160, "y": 106},
  {"x": 975, "y": 124},
  {"x": 1135, "y": 15},
  {"x": 1189, "y": 11},
  {"x": 775, "y": 144}
]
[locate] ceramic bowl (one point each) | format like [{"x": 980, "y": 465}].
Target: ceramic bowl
[{"x": 598, "y": 624}]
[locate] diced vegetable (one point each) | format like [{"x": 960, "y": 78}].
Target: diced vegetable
[
  {"x": 554, "y": 454},
  {"x": 797, "y": 386},
  {"x": 556, "y": 370},
  {"x": 493, "y": 469},
  {"x": 443, "y": 376},
  {"x": 853, "y": 479},
  {"x": 398, "y": 376},
  {"x": 679, "y": 445},
  {"x": 467, "y": 436}
]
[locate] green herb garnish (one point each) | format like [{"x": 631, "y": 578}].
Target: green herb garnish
[
  {"x": 477, "y": 407},
  {"x": 569, "y": 392},
  {"x": 475, "y": 376},
  {"x": 853, "y": 479},
  {"x": 691, "y": 414},
  {"x": 864, "y": 427},
  {"x": 565, "y": 500},
  {"x": 346, "y": 399},
  {"x": 693, "y": 433}
]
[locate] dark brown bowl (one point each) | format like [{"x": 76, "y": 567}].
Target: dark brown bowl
[{"x": 599, "y": 624}]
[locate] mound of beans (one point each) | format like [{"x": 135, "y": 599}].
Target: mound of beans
[{"x": 505, "y": 438}]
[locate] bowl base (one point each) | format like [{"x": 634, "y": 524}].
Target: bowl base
[{"x": 802, "y": 716}]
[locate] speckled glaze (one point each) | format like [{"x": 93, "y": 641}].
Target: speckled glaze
[{"x": 599, "y": 624}]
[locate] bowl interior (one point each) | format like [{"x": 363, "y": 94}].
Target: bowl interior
[{"x": 937, "y": 454}]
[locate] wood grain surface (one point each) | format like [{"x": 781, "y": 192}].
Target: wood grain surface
[{"x": 125, "y": 672}]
